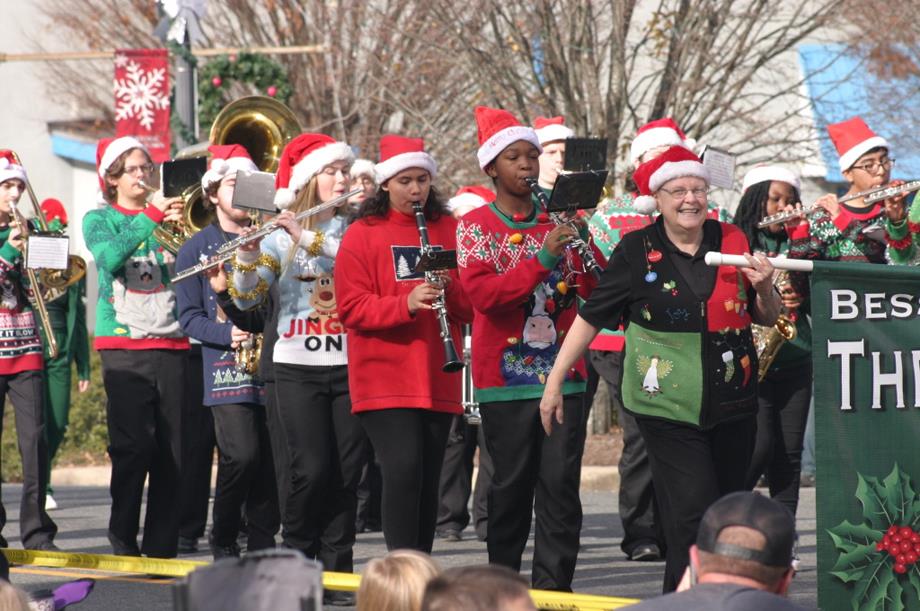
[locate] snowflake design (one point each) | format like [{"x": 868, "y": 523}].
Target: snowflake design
[{"x": 140, "y": 94}]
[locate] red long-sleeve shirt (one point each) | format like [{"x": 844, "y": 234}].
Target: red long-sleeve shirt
[{"x": 394, "y": 358}]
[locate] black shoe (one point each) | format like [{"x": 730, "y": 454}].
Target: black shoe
[
  {"x": 807, "y": 480},
  {"x": 225, "y": 551},
  {"x": 187, "y": 545},
  {"x": 449, "y": 534},
  {"x": 120, "y": 548},
  {"x": 336, "y": 598},
  {"x": 648, "y": 552},
  {"x": 45, "y": 546}
]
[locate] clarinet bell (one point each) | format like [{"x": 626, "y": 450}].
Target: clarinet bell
[{"x": 452, "y": 363}]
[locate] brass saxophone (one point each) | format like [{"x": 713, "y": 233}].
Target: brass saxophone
[
  {"x": 248, "y": 354},
  {"x": 768, "y": 340}
]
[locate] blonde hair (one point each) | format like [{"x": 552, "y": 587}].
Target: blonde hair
[
  {"x": 396, "y": 582},
  {"x": 12, "y": 598}
]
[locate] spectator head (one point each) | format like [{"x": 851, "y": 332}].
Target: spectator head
[
  {"x": 478, "y": 588},
  {"x": 396, "y": 582},
  {"x": 744, "y": 536}
]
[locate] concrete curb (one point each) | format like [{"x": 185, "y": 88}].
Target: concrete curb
[{"x": 593, "y": 479}]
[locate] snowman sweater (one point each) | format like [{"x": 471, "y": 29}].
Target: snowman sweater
[
  {"x": 136, "y": 309},
  {"x": 20, "y": 345},
  {"x": 524, "y": 303}
]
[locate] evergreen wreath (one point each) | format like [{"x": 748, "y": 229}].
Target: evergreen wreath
[{"x": 266, "y": 75}]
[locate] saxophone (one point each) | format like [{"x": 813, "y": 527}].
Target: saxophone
[
  {"x": 248, "y": 354},
  {"x": 768, "y": 340}
]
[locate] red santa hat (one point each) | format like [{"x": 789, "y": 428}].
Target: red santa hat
[
  {"x": 853, "y": 139},
  {"x": 676, "y": 162},
  {"x": 473, "y": 195},
  {"x": 362, "y": 167},
  {"x": 109, "y": 149},
  {"x": 54, "y": 209},
  {"x": 303, "y": 158},
  {"x": 226, "y": 160},
  {"x": 9, "y": 169},
  {"x": 551, "y": 129},
  {"x": 661, "y": 132},
  {"x": 763, "y": 173},
  {"x": 398, "y": 153},
  {"x": 498, "y": 129}
]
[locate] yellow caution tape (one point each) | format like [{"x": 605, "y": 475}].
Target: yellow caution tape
[{"x": 349, "y": 582}]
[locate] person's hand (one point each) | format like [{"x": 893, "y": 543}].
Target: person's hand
[
  {"x": 551, "y": 407},
  {"x": 760, "y": 274},
  {"x": 794, "y": 221},
  {"x": 217, "y": 277},
  {"x": 170, "y": 206},
  {"x": 421, "y": 297},
  {"x": 790, "y": 297},
  {"x": 443, "y": 276},
  {"x": 16, "y": 238},
  {"x": 894, "y": 206},
  {"x": 286, "y": 221},
  {"x": 82, "y": 385},
  {"x": 830, "y": 204},
  {"x": 238, "y": 336},
  {"x": 251, "y": 245},
  {"x": 557, "y": 239}
]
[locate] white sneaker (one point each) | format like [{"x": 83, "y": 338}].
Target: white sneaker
[{"x": 50, "y": 503}]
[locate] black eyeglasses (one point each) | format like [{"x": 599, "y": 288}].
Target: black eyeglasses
[{"x": 871, "y": 167}]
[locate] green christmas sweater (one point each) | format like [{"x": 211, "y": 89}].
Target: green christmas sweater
[
  {"x": 903, "y": 237},
  {"x": 136, "y": 309}
]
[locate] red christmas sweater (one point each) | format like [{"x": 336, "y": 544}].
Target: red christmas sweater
[
  {"x": 394, "y": 358},
  {"x": 521, "y": 315}
]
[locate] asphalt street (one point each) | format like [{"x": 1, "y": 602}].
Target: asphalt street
[{"x": 602, "y": 568}]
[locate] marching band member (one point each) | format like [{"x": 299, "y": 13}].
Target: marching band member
[
  {"x": 457, "y": 470},
  {"x": 849, "y": 231},
  {"x": 521, "y": 281},
  {"x": 245, "y": 475},
  {"x": 362, "y": 177},
  {"x": 68, "y": 321},
  {"x": 689, "y": 370},
  {"x": 783, "y": 396},
  {"x": 642, "y": 537},
  {"x": 552, "y": 133},
  {"x": 143, "y": 350},
  {"x": 399, "y": 391},
  {"x": 21, "y": 367},
  {"x": 310, "y": 358}
]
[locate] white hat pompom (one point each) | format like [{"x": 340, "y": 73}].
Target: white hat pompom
[
  {"x": 645, "y": 204},
  {"x": 284, "y": 197}
]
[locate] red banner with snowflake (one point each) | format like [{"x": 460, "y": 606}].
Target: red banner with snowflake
[{"x": 142, "y": 98}]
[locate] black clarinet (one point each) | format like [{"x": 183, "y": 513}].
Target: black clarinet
[
  {"x": 452, "y": 361},
  {"x": 576, "y": 243}
]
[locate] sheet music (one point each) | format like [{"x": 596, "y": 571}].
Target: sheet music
[
  {"x": 48, "y": 252},
  {"x": 721, "y": 166}
]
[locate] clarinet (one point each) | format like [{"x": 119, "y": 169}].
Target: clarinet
[
  {"x": 576, "y": 243},
  {"x": 452, "y": 362}
]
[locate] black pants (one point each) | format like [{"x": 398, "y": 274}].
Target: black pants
[
  {"x": 370, "y": 492},
  {"x": 539, "y": 472},
  {"x": 783, "y": 400},
  {"x": 245, "y": 477},
  {"x": 198, "y": 445},
  {"x": 637, "y": 505},
  {"x": 278, "y": 442},
  {"x": 324, "y": 442},
  {"x": 146, "y": 391},
  {"x": 26, "y": 392},
  {"x": 692, "y": 469},
  {"x": 410, "y": 447},
  {"x": 457, "y": 477}
]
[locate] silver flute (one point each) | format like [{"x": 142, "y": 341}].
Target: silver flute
[
  {"x": 226, "y": 251},
  {"x": 870, "y": 196}
]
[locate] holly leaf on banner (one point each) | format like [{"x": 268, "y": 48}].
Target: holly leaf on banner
[
  {"x": 914, "y": 577},
  {"x": 899, "y": 495},
  {"x": 857, "y": 545},
  {"x": 874, "y": 499},
  {"x": 872, "y": 590},
  {"x": 893, "y": 598}
]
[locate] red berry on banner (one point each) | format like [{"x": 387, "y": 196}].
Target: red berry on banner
[
  {"x": 272, "y": 91},
  {"x": 915, "y": 538},
  {"x": 900, "y": 569},
  {"x": 901, "y": 559},
  {"x": 906, "y": 532},
  {"x": 911, "y": 557},
  {"x": 880, "y": 547},
  {"x": 217, "y": 81},
  {"x": 906, "y": 546},
  {"x": 896, "y": 539},
  {"x": 654, "y": 256},
  {"x": 893, "y": 530}
]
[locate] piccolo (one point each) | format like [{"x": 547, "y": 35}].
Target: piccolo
[
  {"x": 794, "y": 265},
  {"x": 226, "y": 251}
]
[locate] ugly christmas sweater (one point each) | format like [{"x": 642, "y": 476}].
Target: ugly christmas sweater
[
  {"x": 689, "y": 354},
  {"x": 523, "y": 305},
  {"x": 20, "y": 343},
  {"x": 903, "y": 237},
  {"x": 136, "y": 309},
  {"x": 395, "y": 358},
  {"x": 309, "y": 329}
]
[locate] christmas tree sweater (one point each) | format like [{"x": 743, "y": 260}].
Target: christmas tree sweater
[
  {"x": 136, "y": 309},
  {"x": 522, "y": 305},
  {"x": 395, "y": 358},
  {"x": 309, "y": 329},
  {"x": 20, "y": 343}
]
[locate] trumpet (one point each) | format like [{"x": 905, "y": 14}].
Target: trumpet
[{"x": 228, "y": 249}]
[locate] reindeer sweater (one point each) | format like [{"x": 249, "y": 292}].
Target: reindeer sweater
[
  {"x": 309, "y": 330},
  {"x": 521, "y": 314},
  {"x": 136, "y": 309},
  {"x": 20, "y": 345}
]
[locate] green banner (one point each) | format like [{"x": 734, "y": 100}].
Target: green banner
[{"x": 866, "y": 341}]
